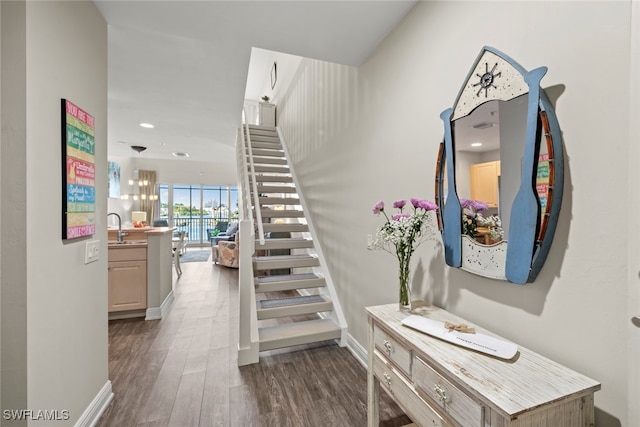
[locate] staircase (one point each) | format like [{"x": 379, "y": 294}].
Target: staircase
[{"x": 294, "y": 303}]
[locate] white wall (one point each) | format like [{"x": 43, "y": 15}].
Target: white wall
[
  {"x": 633, "y": 258},
  {"x": 62, "y": 316},
  {"x": 357, "y": 136}
]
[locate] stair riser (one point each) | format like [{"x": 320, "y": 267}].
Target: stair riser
[
  {"x": 274, "y": 169},
  {"x": 281, "y": 214},
  {"x": 274, "y": 179},
  {"x": 268, "y": 161},
  {"x": 278, "y": 201},
  {"x": 284, "y": 244},
  {"x": 289, "y": 286},
  {"x": 307, "y": 339},
  {"x": 265, "y": 140},
  {"x": 255, "y": 139},
  {"x": 282, "y": 228},
  {"x": 266, "y": 153},
  {"x": 286, "y": 263},
  {"x": 266, "y": 145},
  {"x": 263, "y": 132},
  {"x": 261, "y": 128},
  {"x": 294, "y": 310},
  {"x": 263, "y": 189}
]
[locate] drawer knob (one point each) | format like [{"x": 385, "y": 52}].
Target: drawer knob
[
  {"x": 441, "y": 393},
  {"x": 388, "y": 346},
  {"x": 387, "y": 379}
]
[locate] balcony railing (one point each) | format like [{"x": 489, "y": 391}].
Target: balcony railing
[{"x": 196, "y": 227}]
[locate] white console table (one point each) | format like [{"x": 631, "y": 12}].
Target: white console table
[{"x": 440, "y": 384}]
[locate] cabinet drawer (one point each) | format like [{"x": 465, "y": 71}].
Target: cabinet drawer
[
  {"x": 438, "y": 390},
  {"x": 403, "y": 393},
  {"x": 127, "y": 254},
  {"x": 393, "y": 350}
]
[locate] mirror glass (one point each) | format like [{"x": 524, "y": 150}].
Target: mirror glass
[{"x": 489, "y": 148}]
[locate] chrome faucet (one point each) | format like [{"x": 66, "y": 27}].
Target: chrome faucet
[{"x": 120, "y": 233}]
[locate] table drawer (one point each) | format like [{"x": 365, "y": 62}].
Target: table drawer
[
  {"x": 404, "y": 394},
  {"x": 393, "y": 350},
  {"x": 437, "y": 389}
]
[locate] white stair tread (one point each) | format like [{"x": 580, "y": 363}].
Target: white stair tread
[
  {"x": 268, "y": 226},
  {"x": 290, "y": 301},
  {"x": 287, "y": 278},
  {"x": 282, "y": 257},
  {"x": 288, "y": 282},
  {"x": 287, "y": 239},
  {"x": 285, "y": 243},
  {"x": 279, "y": 201},
  {"x": 297, "y": 333}
]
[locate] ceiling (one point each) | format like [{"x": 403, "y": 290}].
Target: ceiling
[{"x": 184, "y": 66}]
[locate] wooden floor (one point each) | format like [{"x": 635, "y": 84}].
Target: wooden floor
[{"x": 182, "y": 370}]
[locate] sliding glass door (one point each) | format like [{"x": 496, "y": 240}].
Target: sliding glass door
[{"x": 196, "y": 209}]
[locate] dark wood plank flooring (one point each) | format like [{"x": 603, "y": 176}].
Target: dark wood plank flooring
[{"x": 182, "y": 370}]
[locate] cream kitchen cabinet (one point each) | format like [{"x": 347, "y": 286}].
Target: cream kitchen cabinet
[
  {"x": 440, "y": 384},
  {"x": 484, "y": 182},
  {"x": 127, "y": 277}
]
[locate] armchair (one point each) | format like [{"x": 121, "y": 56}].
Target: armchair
[
  {"x": 220, "y": 228},
  {"x": 228, "y": 235},
  {"x": 228, "y": 253}
]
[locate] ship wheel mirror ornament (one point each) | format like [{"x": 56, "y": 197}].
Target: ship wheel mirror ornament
[{"x": 500, "y": 171}]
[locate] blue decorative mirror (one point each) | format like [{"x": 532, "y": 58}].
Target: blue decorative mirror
[{"x": 500, "y": 171}]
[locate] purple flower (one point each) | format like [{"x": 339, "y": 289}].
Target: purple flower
[
  {"x": 399, "y": 204},
  {"x": 427, "y": 205},
  {"x": 475, "y": 205},
  {"x": 415, "y": 202},
  {"x": 398, "y": 217},
  {"x": 379, "y": 207},
  {"x": 478, "y": 206}
]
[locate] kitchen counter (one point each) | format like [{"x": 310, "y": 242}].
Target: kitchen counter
[
  {"x": 126, "y": 244},
  {"x": 159, "y": 277},
  {"x": 137, "y": 234}
]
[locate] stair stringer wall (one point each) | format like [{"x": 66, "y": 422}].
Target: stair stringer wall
[{"x": 337, "y": 314}]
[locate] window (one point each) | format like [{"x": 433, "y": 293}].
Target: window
[{"x": 195, "y": 208}]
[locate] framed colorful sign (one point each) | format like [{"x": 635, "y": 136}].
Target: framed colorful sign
[{"x": 78, "y": 172}]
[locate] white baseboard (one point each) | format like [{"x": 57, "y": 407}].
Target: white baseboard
[
  {"x": 155, "y": 313},
  {"x": 91, "y": 415},
  {"x": 358, "y": 351}
]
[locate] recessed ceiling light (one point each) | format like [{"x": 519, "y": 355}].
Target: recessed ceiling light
[
  {"x": 178, "y": 154},
  {"x": 147, "y": 125},
  {"x": 476, "y": 144}
]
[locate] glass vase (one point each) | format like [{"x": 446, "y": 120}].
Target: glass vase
[{"x": 404, "y": 302}]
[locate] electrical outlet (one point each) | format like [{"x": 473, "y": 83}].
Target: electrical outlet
[{"x": 92, "y": 251}]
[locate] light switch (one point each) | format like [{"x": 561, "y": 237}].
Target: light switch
[{"x": 92, "y": 251}]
